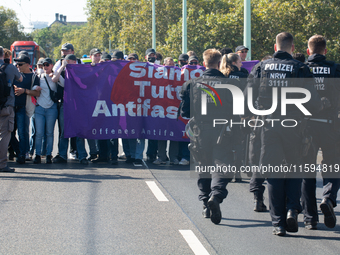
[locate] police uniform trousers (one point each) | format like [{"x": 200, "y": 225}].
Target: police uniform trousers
[
  {"x": 281, "y": 144},
  {"x": 239, "y": 141},
  {"x": 213, "y": 154},
  {"x": 324, "y": 137},
  {"x": 257, "y": 180}
]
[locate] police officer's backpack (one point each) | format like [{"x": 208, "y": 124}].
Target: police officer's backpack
[{"x": 5, "y": 90}]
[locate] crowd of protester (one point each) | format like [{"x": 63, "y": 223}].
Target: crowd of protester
[{"x": 37, "y": 111}]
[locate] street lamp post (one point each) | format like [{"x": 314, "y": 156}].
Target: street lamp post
[
  {"x": 184, "y": 27},
  {"x": 153, "y": 25},
  {"x": 247, "y": 27}
]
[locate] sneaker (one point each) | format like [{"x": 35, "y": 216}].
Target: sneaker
[
  {"x": 37, "y": 160},
  {"x": 138, "y": 162},
  {"x": 58, "y": 159},
  {"x": 11, "y": 156},
  {"x": 48, "y": 159},
  {"x": 73, "y": 155},
  {"x": 279, "y": 231},
  {"x": 6, "y": 169},
  {"x": 84, "y": 161},
  {"x": 129, "y": 160},
  {"x": 174, "y": 162},
  {"x": 159, "y": 162},
  {"x": 184, "y": 162},
  {"x": 28, "y": 157},
  {"x": 114, "y": 162},
  {"x": 150, "y": 159},
  {"x": 21, "y": 160},
  {"x": 312, "y": 225},
  {"x": 100, "y": 160},
  {"x": 92, "y": 156}
]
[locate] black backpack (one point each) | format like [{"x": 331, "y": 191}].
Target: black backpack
[{"x": 4, "y": 89}]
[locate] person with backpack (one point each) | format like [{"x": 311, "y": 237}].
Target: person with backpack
[
  {"x": 28, "y": 86},
  {"x": 8, "y": 73},
  {"x": 46, "y": 112}
]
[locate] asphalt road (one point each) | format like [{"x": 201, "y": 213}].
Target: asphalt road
[{"x": 104, "y": 209}]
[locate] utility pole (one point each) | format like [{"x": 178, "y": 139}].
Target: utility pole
[
  {"x": 247, "y": 27},
  {"x": 184, "y": 28},
  {"x": 153, "y": 25}
]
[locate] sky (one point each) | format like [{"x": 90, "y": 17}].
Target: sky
[{"x": 44, "y": 10}]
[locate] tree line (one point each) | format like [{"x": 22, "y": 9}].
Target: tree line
[{"x": 211, "y": 24}]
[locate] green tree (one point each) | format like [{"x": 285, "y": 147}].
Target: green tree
[
  {"x": 50, "y": 38},
  {"x": 10, "y": 30}
]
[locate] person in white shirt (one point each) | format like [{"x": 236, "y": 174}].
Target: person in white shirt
[{"x": 46, "y": 113}]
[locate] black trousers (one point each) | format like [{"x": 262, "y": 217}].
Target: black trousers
[
  {"x": 326, "y": 138},
  {"x": 282, "y": 146},
  {"x": 215, "y": 155},
  {"x": 257, "y": 180}
]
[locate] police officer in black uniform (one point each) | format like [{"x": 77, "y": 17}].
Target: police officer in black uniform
[
  {"x": 256, "y": 182},
  {"x": 324, "y": 128},
  {"x": 211, "y": 146},
  {"x": 281, "y": 143},
  {"x": 231, "y": 67}
]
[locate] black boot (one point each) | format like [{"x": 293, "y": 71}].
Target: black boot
[
  {"x": 258, "y": 200},
  {"x": 37, "y": 160},
  {"x": 206, "y": 210}
]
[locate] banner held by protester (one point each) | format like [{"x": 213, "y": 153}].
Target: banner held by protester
[{"x": 124, "y": 99}]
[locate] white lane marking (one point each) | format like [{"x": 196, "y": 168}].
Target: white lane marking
[
  {"x": 195, "y": 245},
  {"x": 156, "y": 191}
]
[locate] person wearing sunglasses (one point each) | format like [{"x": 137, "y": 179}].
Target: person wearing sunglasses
[
  {"x": 46, "y": 113},
  {"x": 242, "y": 51},
  {"x": 193, "y": 60},
  {"x": 28, "y": 86}
]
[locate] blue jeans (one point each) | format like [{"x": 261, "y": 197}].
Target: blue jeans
[
  {"x": 184, "y": 150},
  {"x": 45, "y": 118},
  {"x": 32, "y": 139},
  {"x": 82, "y": 154},
  {"x": 23, "y": 123},
  {"x": 140, "y": 145},
  {"x": 63, "y": 142},
  {"x": 129, "y": 147}
]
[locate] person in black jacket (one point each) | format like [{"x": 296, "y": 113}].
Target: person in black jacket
[
  {"x": 281, "y": 145},
  {"x": 324, "y": 128},
  {"x": 211, "y": 147},
  {"x": 231, "y": 67}
]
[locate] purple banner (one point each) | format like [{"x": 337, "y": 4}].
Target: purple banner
[
  {"x": 249, "y": 64},
  {"x": 124, "y": 99}
]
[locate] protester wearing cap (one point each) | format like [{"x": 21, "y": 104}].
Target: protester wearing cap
[
  {"x": 7, "y": 113},
  {"x": 150, "y": 55},
  {"x": 226, "y": 51},
  {"x": 105, "y": 57},
  {"x": 45, "y": 114},
  {"x": 95, "y": 55},
  {"x": 132, "y": 57},
  {"x": 183, "y": 59},
  {"x": 242, "y": 51},
  {"x": 117, "y": 55},
  {"x": 193, "y": 60},
  {"x": 40, "y": 68},
  {"x": 22, "y": 89},
  {"x": 61, "y": 157},
  {"x": 66, "y": 49},
  {"x": 108, "y": 145}
]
